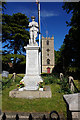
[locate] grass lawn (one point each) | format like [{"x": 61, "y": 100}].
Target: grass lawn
[
  {"x": 77, "y": 83},
  {"x": 36, "y": 105}
]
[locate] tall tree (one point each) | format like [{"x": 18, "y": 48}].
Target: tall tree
[
  {"x": 14, "y": 32},
  {"x": 3, "y": 6},
  {"x": 71, "y": 50},
  {"x": 59, "y": 60},
  {"x": 9, "y": 65}
]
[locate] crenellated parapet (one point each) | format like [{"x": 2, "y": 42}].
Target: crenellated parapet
[{"x": 48, "y": 38}]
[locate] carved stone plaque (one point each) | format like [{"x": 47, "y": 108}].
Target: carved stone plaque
[{"x": 32, "y": 62}]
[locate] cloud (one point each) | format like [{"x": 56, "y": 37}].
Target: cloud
[
  {"x": 32, "y": 12},
  {"x": 48, "y": 14},
  {"x": 43, "y": 13}
]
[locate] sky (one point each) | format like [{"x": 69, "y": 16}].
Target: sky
[{"x": 53, "y": 18}]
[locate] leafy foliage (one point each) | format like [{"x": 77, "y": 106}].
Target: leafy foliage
[
  {"x": 50, "y": 79},
  {"x": 68, "y": 57},
  {"x": 14, "y": 31},
  {"x": 59, "y": 61},
  {"x": 8, "y": 82},
  {"x": 64, "y": 86},
  {"x": 17, "y": 66},
  {"x": 10, "y": 58},
  {"x": 41, "y": 85},
  {"x": 72, "y": 41},
  {"x": 3, "y": 6}
]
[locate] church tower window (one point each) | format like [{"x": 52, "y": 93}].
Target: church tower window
[
  {"x": 48, "y": 61},
  {"x": 48, "y": 50},
  {"x": 48, "y": 54},
  {"x": 47, "y": 42}
]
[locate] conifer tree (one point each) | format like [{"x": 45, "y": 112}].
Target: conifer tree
[{"x": 14, "y": 32}]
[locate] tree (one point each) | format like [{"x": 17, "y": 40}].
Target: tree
[
  {"x": 71, "y": 52},
  {"x": 14, "y": 32},
  {"x": 59, "y": 60},
  {"x": 9, "y": 65},
  {"x": 3, "y": 5}
]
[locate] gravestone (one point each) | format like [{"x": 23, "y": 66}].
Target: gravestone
[
  {"x": 73, "y": 106},
  {"x": 61, "y": 76},
  {"x": 14, "y": 76},
  {"x": 71, "y": 85},
  {"x": 5, "y": 74}
]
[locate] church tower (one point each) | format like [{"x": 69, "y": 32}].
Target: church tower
[{"x": 47, "y": 54}]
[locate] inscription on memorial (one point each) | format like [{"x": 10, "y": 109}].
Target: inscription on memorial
[{"x": 32, "y": 59}]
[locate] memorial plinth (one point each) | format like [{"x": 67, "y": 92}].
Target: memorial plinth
[
  {"x": 32, "y": 60},
  {"x": 32, "y": 77},
  {"x": 31, "y": 94}
]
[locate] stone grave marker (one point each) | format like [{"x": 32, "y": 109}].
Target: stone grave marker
[
  {"x": 71, "y": 83},
  {"x": 14, "y": 76},
  {"x": 5, "y": 74},
  {"x": 61, "y": 76},
  {"x": 73, "y": 106}
]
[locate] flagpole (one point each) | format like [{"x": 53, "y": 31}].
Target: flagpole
[
  {"x": 39, "y": 23},
  {"x": 40, "y": 68}
]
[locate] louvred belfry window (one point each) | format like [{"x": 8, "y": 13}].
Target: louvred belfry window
[
  {"x": 47, "y": 42},
  {"x": 48, "y": 61}
]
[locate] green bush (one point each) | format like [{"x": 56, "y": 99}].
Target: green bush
[
  {"x": 50, "y": 79},
  {"x": 64, "y": 86},
  {"x": 7, "y": 82}
]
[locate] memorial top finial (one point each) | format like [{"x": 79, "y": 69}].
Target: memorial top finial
[{"x": 33, "y": 17}]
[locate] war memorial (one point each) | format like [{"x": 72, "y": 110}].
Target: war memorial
[{"x": 32, "y": 77}]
